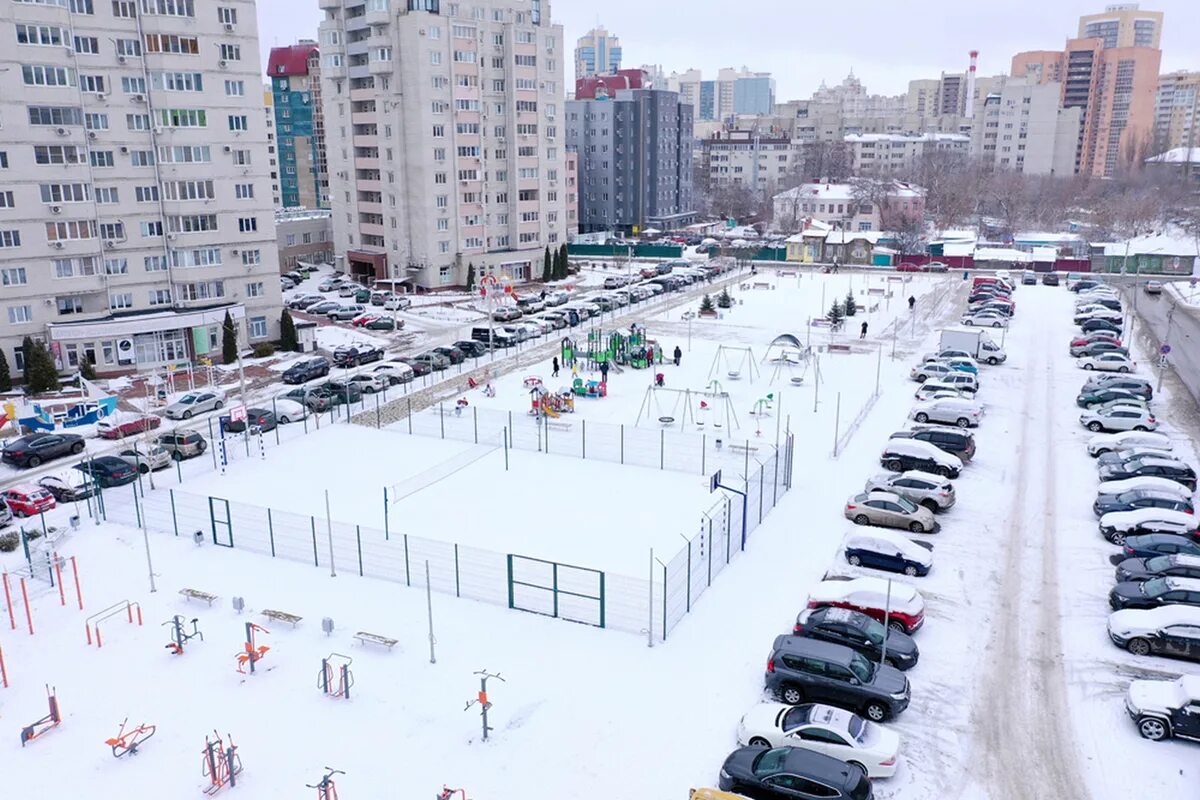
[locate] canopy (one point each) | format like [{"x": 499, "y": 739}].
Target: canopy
[{"x": 786, "y": 340}]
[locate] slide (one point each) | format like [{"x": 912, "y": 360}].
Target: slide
[{"x": 549, "y": 412}]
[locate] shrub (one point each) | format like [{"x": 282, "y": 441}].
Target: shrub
[
  {"x": 9, "y": 542},
  {"x": 264, "y": 349}
]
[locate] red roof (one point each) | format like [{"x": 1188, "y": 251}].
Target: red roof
[
  {"x": 291, "y": 60},
  {"x": 585, "y": 88}
]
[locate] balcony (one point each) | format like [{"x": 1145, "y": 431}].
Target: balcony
[
  {"x": 365, "y": 140},
  {"x": 370, "y": 229},
  {"x": 370, "y": 207},
  {"x": 366, "y": 163},
  {"x": 364, "y": 118},
  {"x": 359, "y": 95},
  {"x": 369, "y": 186}
]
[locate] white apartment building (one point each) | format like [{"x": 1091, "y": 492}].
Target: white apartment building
[
  {"x": 135, "y": 202},
  {"x": 883, "y": 153},
  {"x": 1023, "y": 127},
  {"x": 445, "y": 137},
  {"x": 843, "y": 206},
  {"x": 758, "y": 161}
]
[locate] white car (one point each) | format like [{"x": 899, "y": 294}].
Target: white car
[
  {"x": 368, "y": 383},
  {"x": 395, "y": 372},
  {"x": 1107, "y": 362},
  {"x": 1118, "y": 418},
  {"x": 985, "y": 320},
  {"x": 194, "y": 403},
  {"x": 1108, "y": 442},
  {"x": 146, "y": 457},
  {"x": 396, "y": 303},
  {"x": 1143, "y": 631},
  {"x": 871, "y": 596},
  {"x": 956, "y": 411},
  {"x": 1116, "y": 525},
  {"x": 822, "y": 729},
  {"x": 288, "y": 410},
  {"x": 1152, "y": 482},
  {"x": 934, "y": 389},
  {"x": 930, "y": 371}
]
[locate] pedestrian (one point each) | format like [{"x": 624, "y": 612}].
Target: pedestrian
[
  {"x": 554, "y": 368},
  {"x": 679, "y": 354},
  {"x": 604, "y": 372},
  {"x": 863, "y": 334},
  {"x": 912, "y": 301}
]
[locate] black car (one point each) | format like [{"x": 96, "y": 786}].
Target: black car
[
  {"x": 455, "y": 355},
  {"x": 311, "y": 398},
  {"x": 263, "y": 418},
  {"x": 790, "y": 773},
  {"x": 306, "y": 370},
  {"x": 353, "y": 356},
  {"x": 1096, "y": 348},
  {"x": 1154, "y": 593},
  {"x": 1148, "y": 545},
  {"x": 1140, "y": 498},
  {"x": 954, "y": 441},
  {"x": 1162, "y": 709},
  {"x": 857, "y": 631},
  {"x": 1095, "y": 396},
  {"x": 897, "y": 461},
  {"x": 1143, "y": 569},
  {"x": 419, "y": 368},
  {"x": 472, "y": 349},
  {"x": 1148, "y": 466},
  {"x": 343, "y": 391},
  {"x": 1176, "y": 635},
  {"x": 1100, "y": 324},
  {"x": 802, "y": 670},
  {"x": 1050, "y": 279},
  {"x": 1137, "y": 386},
  {"x": 1080, "y": 285},
  {"x": 108, "y": 471},
  {"x": 1170, "y": 523},
  {"x": 38, "y": 448}
]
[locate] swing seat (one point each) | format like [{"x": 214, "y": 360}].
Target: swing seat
[
  {"x": 734, "y": 374},
  {"x": 666, "y": 420},
  {"x": 797, "y": 381}
]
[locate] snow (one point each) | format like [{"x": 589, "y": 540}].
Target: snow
[
  {"x": 1169, "y": 243},
  {"x": 331, "y": 337}
]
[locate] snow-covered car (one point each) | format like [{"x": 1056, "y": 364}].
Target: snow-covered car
[
  {"x": 930, "y": 490},
  {"x": 905, "y": 613},
  {"x": 288, "y": 410},
  {"x": 902, "y": 455},
  {"x": 118, "y": 427},
  {"x": 934, "y": 388},
  {"x": 955, "y": 380},
  {"x": 194, "y": 403},
  {"x": 1127, "y": 454},
  {"x": 1110, "y": 442},
  {"x": 985, "y": 320},
  {"x": 1144, "y": 482},
  {"x": 962, "y": 412},
  {"x": 369, "y": 383},
  {"x": 1170, "y": 630},
  {"x": 396, "y": 303},
  {"x": 887, "y": 551},
  {"x": 1117, "y": 526},
  {"x": 889, "y": 510},
  {"x": 1165, "y": 709},
  {"x": 394, "y": 372},
  {"x": 1128, "y": 402},
  {"x": 69, "y": 486},
  {"x": 146, "y": 457},
  {"x": 1107, "y": 362},
  {"x": 823, "y": 729},
  {"x": 1118, "y": 418}
]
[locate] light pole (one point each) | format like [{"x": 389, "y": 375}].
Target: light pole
[{"x": 1162, "y": 358}]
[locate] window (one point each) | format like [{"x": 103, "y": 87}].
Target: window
[
  {"x": 184, "y": 155},
  {"x": 70, "y": 267},
  {"x": 439, "y": 131},
  {"x": 87, "y": 45},
  {"x": 95, "y": 122},
  {"x": 235, "y": 88},
  {"x": 231, "y": 52},
  {"x": 116, "y": 266},
  {"x": 238, "y": 122},
  {"x": 439, "y": 177},
  {"x": 112, "y": 230},
  {"x": 464, "y": 56},
  {"x": 525, "y": 61},
  {"x": 160, "y": 297},
  {"x": 241, "y": 158},
  {"x": 118, "y": 301},
  {"x": 462, "y": 31},
  {"x": 443, "y": 224},
  {"x": 62, "y": 231},
  {"x": 203, "y": 257},
  {"x": 434, "y": 31},
  {"x": 19, "y": 314},
  {"x": 46, "y": 35},
  {"x": 258, "y": 327},
  {"x": 14, "y": 276},
  {"x": 227, "y": 15},
  {"x": 133, "y": 85},
  {"x": 441, "y": 201},
  {"x": 255, "y": 289},
  {"x": 201, "y": 291},
  {"x": 177, "y": 81},
  {"x": 247, "y": 224},
  {"x": 130, "y": 48},
  {"x": 137, "y": 122},
  {"x": 251, "y": 257},
  {"x": 141, "y": 158},
  {"x": 187, "y": 190},
  {"x": 55, "y": 115},
  {"x": 468, "y": 174},
  {"x": 435, "y": 58},
  {"x": 47, "y": 75},
  {"x": 170, "y": 43},
  {"x": 151, "y": 229},
  {"x": 107, "y": 195},
  {"x": 91, "y": 83},
  {"x": 243, "y": 191},
  {"x": 69, "y": 305},
  {"x": 146, "y": 194},
  {"x": 443, "y": 247},
  {"x": 155, "y": 263},
  {"x": 192, "y": 223}
]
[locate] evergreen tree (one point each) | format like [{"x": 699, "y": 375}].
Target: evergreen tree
[
  {"x": 724, "y": 300},
  {"x": 564, "y": 266},
  {"x": 706, "y": 305},
  {"x": 43, "y": 374},
  {"x": 26, "y": 358},
  {"x": 470, "y": 276},
  {"x": 5, "y": 375},
  {"x": 851, "y": 306},
  {"x": 287, "y": 332},
  {"x": 556, "y": 264},
  {"x": 229, "y": 343},
  {"x": 836, "y": 313},
  {"x": 548, "y": 265},
  {"x": 87, "y": 370}
]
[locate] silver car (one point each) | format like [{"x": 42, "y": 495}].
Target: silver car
[
  {"x": 889, "y": 510},
  {"x": 924, "y": 488},
  {"x": 146, "y": 457},
  {"x": 194, "y": 403}
]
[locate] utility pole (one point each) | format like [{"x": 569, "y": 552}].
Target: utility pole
[{"x": 1166, "y": 343}]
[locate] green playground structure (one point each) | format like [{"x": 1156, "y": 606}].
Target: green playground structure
[{"x": 620, "y": 349}]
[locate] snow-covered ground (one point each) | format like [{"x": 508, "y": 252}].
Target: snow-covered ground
[{"x": 1018, "y": 694}]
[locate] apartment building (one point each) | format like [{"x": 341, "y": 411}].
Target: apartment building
[
  {"x": 883, "y": 153},
  {"x": 304, "y": 235},
  {"x": 1024, "y": 128},
  {"x": 757, "y": 160},
  {"x": 1177, "y": 111},
  {"x": 1123, "y": 25},
  {"x": 444, "y": 137},
  {"x": 734, "y": 91},
  {"x": 572, "y": 195},
  {"x": 597, "y": 52},
  {"x": 295, "y": 75},
  {"x": 269, "y": 124},
  {"x": 135, "y": 205}
]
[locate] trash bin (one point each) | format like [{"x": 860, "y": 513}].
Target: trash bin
[{"x": 74, "y": 522}]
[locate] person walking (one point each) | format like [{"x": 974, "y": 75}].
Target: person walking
[
  {"x": 604, "y": 372},
  {"x": 554, "y": 368},
  {"x": 863, "y": 333},
  {"x": 678, "y": 354},
  {"x": 912, "y": 301}
]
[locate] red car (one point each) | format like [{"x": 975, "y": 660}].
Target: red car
[
  {"x": 28, "y": 500},
  {"x": 363, "y": 319},
  {"x": 119, "y": 429},
  {"x": 1098, "y": 336},
  {"x": 871, "y": 597},
  {"x": 907, "y": 267}
]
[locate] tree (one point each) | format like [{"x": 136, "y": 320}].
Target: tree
[
  {"x": 470, "y": 276},
  {"x": 87, "y": 370},
  {"x": 724, "y": 300},
  {"x": 566, "y": 265},
  {"x": 836, "y": 313},
  {"x": 43, "y": 374},
  {"x": 229, "y": 343},
  {"x": 548, "y": 265},
  {"x": 26, "y": 358},
  {"x": 706, "y": 305},
  {"x": 851, "y": 305},
  {"x": 287, "y": 332},
  {"x": 5, "y": 375}
]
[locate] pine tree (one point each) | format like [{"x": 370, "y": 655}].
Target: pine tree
[
  {"x": 229, "y": 343},
  {"x": 706, "y": 305},
  {"x": 470, "y": 276},
  {"x": 548, "y": 265},
  {"x": 564, "y": 266},
  {"x": 556, "y": 265},
  {"x": 43, "y": 374},
  {"x": 724, "y": 300},
  {"x": 26, "y": 358},
  {"x": 5, "y": 375},
  {"x": 287, "y": 332},
  {"x": 836, "y": 313},
  {"x": 87, "y": 370},
  {"x": 851, "y": 306}
]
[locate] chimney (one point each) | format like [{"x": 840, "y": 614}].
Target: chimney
[{"x": 969, "y": 110}]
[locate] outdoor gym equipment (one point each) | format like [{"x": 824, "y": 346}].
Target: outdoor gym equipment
[
  {"x": 251, "y": 653},
  {"x": 482, "y": 700},
  {"x": 448, "y": 794},
  {"x": 92, "y": 623},
  {"x": 222, "y": 764},
  {"x": 126, "y": 743},
  {"x": 326, "y": 789},
  {"x": 179, "y": 637},
  {"x": 336, "y": 678},
  {"x": 745, "y": 362},
  {"x": 46, "y": 723}
]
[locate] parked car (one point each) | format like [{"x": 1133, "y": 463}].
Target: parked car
[
  {"x": 822, "y": 729},
  {"x": 382, "y": 324},
  {"x": 471, "y": 348},
  {"x": 1101, "y": 325},
  {"x": 884, "y": 550},
  {"x": 303, "y": 301},
  {"x": 1050, "y": 279},
  {"x": 36, "y": 449},
  {"x": 1139, "y": 386},
  {"x": 1100, "y": 395},
  {"x": 182, "y": 443},
  {"x": 1095, "y": 336},
  {"x": 347, "y": 289},
  {"x": 770, "y": 774},
  {"x": 506, "y": 314},
  {"x": 961, "y": 381},
  {"x": 397, "y": 303},
  {"x": 1153, "y": 287},
  {"x": 288, "y": 410},
  {"x": 870, "y": 596},
  {"x": 935, "y": 389},
  {"x": 1140, "y": 498},
  {"x": 146, "y": 457},
  {"x": 454, "y": 355},
  {"x": 369, "y": 383},
  {"x": 66, "y": 487},
  {"x": 329, "y": 284},
  {"x": 1128, "y": 454},
  {"x": 436, "y": 360},
  {"x": 924, "y": 488},
  {"x": 860, "y": 632},
  {"x": 962, "y": 364},
  {"x": 1110, "y": 442},
  {"x": 985, "y": 320},
  {"x": 394, "y": 372},
  {"x": 345, "y": 312},
  {"x": 930, "y": 370},
  {"x": 379, "y": 298},
  {"x": 1108, "y": 362},
  {"x": 1148, "y": 545},
  {"x": 27, "y": 500},
  {"x": 953, "y": 410},
  {"x": 306, "y": 369},
  {"x": 108, "y": 471},
  {"x": 890, "y": 511},
  {"x": 194, "y": 403},
  {"x": 262, "y": 418},
  {"x": 311, "y": 397},
  {"x": 322, "y": 308},
  {"x": 1170, "y": 630},
  {"x": 342, "y": 392},
  {"x": 1096, "y": 348},
  {"x": 1163, "y": 709},
  {"x": 118, "y": 427},
  {"x": 357, "y": 354},
  {"x": 1120, "y": 525},
  {"x": 1169, "y": 468},
  {"x": 900, "y": 455},
  {"x": 1151, "y": 482},
  {"x": 1119, "y": 418},
  {"x": 954, "y": 440},
  {"x": 418, "y": 367},
  {"x": 1144, "y": 569},
  {"x": 803, "y": 670}
]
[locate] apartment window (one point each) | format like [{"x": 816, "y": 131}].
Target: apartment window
[
  {"x": 231, "y": 52},
  {"x": 497, "y": 84},
  {"x": 151, "y": 229},
  {"x": 146, "y": 194},
  {"x": 247, "y": 224},
  {"x": 439, "y": 106},
  {"x": 527, "y": 105},
  {"x": 241, "y": 158},
  {"x": 169, "y": 43},
  {"x": 47, "y": 75},
  {"x": 107, "y": 195},
  {"x": 226, "y": 15},
  {"x": 19, "y": 314},
  {"x": 69, "y": 305},
  {"x": 525, "y": 61},
  {"x": 472, "y": 242},
  {"x": 439, "y": 154},
  {"x": 95, "y": 122},
  {"x": 468, "y": 174},
  {"x": 87, "y": 45},
  {"x": 526, "y": 83},
  {"x": 435, "y": 58},
  {"x": 55, "y": 115},
  {"x": 119, "y": 301},
  {"x": 203, "y": 257},
  {"x": 291, "y": 240},
  {"x": 155, "y": 263},
  {"x": 177, "y": 81},
  {"x": 14, "y": 276},
  {"x": 46, "y": 35},
  {"x": 112, "y": 230},
  {"x": 466, "y": 105},
  {"x": 130, "y": 48},
  {"x": 258, "y": 327},
  {"x": 116, "y": 266},
  {"x": 141, "y": 158},
  {"x": 187, "y": 190},
  {"x": 169, "y": 8},
  {"x": 527, "y": 172},
  {"x": 251, "y": 257},
  {"x": 160, "y": 297},
  {"x": 443, "y": 247},
  {"x": 467, "y": 128},
  {"x": 91, "y": 83},
  {"x": 439, "y": 131},
  {"x": 462, "y": 31},
  {"x": 379, "y": 54},
  {"x": 527, "y": 129},
  {"x": 185, "y": 154},
  {"x": 192, "y": 223},
  {"x": 440, "y": 81},
  {"x": 238, "y": 122},
  {"x": 137, "y": 122},
  {"x": 67, "y": 267},
  {"x": 441, "y": 201},
  {"x": 133, "y": 85},
  {"x": 255, "y": 289},
  {"x": 333, "y": 60},
  {"x": 235, "y": 88},
  {"x": 464, "y": 56},
  {"x": 439, "y": 177},
  {"x": 434, "y": 31},
  {"x": 201, "y": 291},
  {"x": 65, "y": 231},
  {"x": 74, "y": 6},
  {"x": 443, "y": 224},
  {"x": 243, "y": 191}
]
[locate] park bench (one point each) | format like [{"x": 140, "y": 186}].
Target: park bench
[
  {"x": 375, "y": 638},
  {"x": 281, "y": 616},
  {"x": 196, "y": 594},
  {"x": 838, "y": 348},
  {"x": 742, "y": 448}
]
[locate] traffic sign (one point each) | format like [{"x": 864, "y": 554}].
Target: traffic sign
[
  {"x": 1166, "y": 348},
  {"x": 714, "y": 481},
  {"x": 237, "y": 413},
  {"x": 1162, "y": 361}
]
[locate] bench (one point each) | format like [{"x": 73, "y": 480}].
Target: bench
[
  {"x": 558, "y": 426},
  {"x": 838, "y": 348},
  {"x": 375, "y": 638},
  {"x": 281, "y": 616},
  {"x": 196, "y": 594},
  {"x": 761, "y": 285},
  {"x": 741, "y": 448}
]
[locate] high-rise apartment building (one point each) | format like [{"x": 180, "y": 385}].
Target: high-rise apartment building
[
  {"x": 1024, "y": 128},
  {"x": 1123, "y": 25},
  {"x": 597, "y": 52},
  {"x": 733, "y": 92},
  {"x": 295, "y": 75},
  {"x": 135, "y": 202},
  {"x": 444, "y": 137},
  {"x": 1177, "y": 111}
]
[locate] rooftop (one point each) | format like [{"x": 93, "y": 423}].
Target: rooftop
[
  {"x": 1169, "y": 243},
  {"x": 290, "y": 60},
  {"x": 907, "y": 137},
  {"x": 1179, "y": 155}
]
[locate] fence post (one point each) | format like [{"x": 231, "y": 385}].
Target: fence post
[
  {"x": 583, "y": 438},
  {"x": 313, "y": 521},
  {"x": 137, "y": 509},
  {"x": 689, "y": 577},
  {"x": 457, "y": 592},
  {"x": 271, "y": 530},
  {"x": 728, "y": 521},
  {"x": 386, "y": 537},
  {"x": 622, "y": 442},
  {"x": 775, "y": 482},
  {"x": 358, "y": 536},
  {"x": 442, "y": 418},
  {"x": 174, "y": 519},
  {"x": 710, "y": 549},
  {"x": 409, "y": 414},
  {"x": 407, "y": 574},
  {"x": 378, "y": 419},
  {"x": 475, "y": 417},
  {"x": 664, "y": 604},
  {"x": 762, "y": 475},
  {"x": 662, "y": 449}
]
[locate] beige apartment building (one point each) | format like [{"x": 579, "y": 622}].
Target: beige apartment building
[
  {"x": 444, "y": 136},
  {"x": 1123, "y": 25},
  {"x": 1023, "y": 127},
  {"x": 1177, "y": 111},
  {"x": 135, "y": 202}
]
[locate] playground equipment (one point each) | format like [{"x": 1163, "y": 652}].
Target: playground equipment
[
  {"x": 222, "y": 764},
  {"x": 762, "y": 406},
  {"x": 3, "y": 670},
  {"x": 551, "y": 404},
  {"x": 251, "y": 653},
  {"x": 595, "y": 389},
  {"x": 8, "y": 602},
  {"x": 786, "y": 353},
  {"x": 126, "y": 743},
  {"x": 482, "y": 700},
  {"x": 46, "y": 723},
  {"x": 179, "y": 637},
  {"x": 448, "y": 794},
  {"x": 92, "y": 623},
  {"x": 686, "y": 405},
  {"x": 326, "y": 789},
  {"x": 336, "y": 678},
  {"x": 736, "y": 361}
]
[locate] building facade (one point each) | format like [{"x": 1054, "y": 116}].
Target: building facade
[
  {"x": 1177, "y": 111},
  {"x": 597, "y": 52},
  {"x": 733, "y": 92},
  {"x": 135, "y": 199},
  {"x": 304, "y": 236},
  {"x": 295, "y": 75},
  {"x": 634, "y": 160},
  {"x": 883, "y": 153},
  {"x": 572, "y": 194},
  {"x": 845, "y": 206},
  {"x": 1123, "y": 25},
  {"x": 759, "y": 161},
  {"x": 444, "y": 138},
  {"x": 1023, "y": 128}
]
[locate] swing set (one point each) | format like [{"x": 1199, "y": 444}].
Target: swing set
[
  {"x": 736, "y": 361},
  {"x": 786, "y": 354},
  {"x": 685, "y": 406}
]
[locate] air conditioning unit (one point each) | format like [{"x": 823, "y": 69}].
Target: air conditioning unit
[
  {"x": 229, "y": 26},
  {"x": 172, "y": 236},
  {"x": 61, "y": 131},
  {"x": 158, "y": 129},
  {"x": 124, "y": 149},
  {"x": 49, "y": 301},
  {"x": 222, "y": 63},
  {"x": 101, "y": 95},
  {"x": 92, "y": 135},
  {"x": 125, "y": 354},
  {"x": 59, "y": 245},
  {"x": 121, "y": 59},
  {"x": 110, "y": 243},
  {"x": 55, "y": 209},
  {"x": 235, "y": 251},
  {"x": 139, "y": 98},
  {"x": 227, "y": 149}
]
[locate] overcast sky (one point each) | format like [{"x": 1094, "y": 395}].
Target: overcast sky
[{"x": 886, "y": 43}]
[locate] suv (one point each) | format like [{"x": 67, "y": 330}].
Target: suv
[
  {"x": 343, "y": 391},
  {"x": 1162, "y": 709},
  {"x": 807, "y": 670},
  {"x": 472, "y": 348},
  {"x": 182, "y": 443},
  {"x": 955, "y": 441},
  {"x": 353, "y": 356},
  {"x": 900, "y": 455},
  {"x": 932, "y": 491},
  {"x": 857, "y": 631},
  {"x": 306, "y": 369}
]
